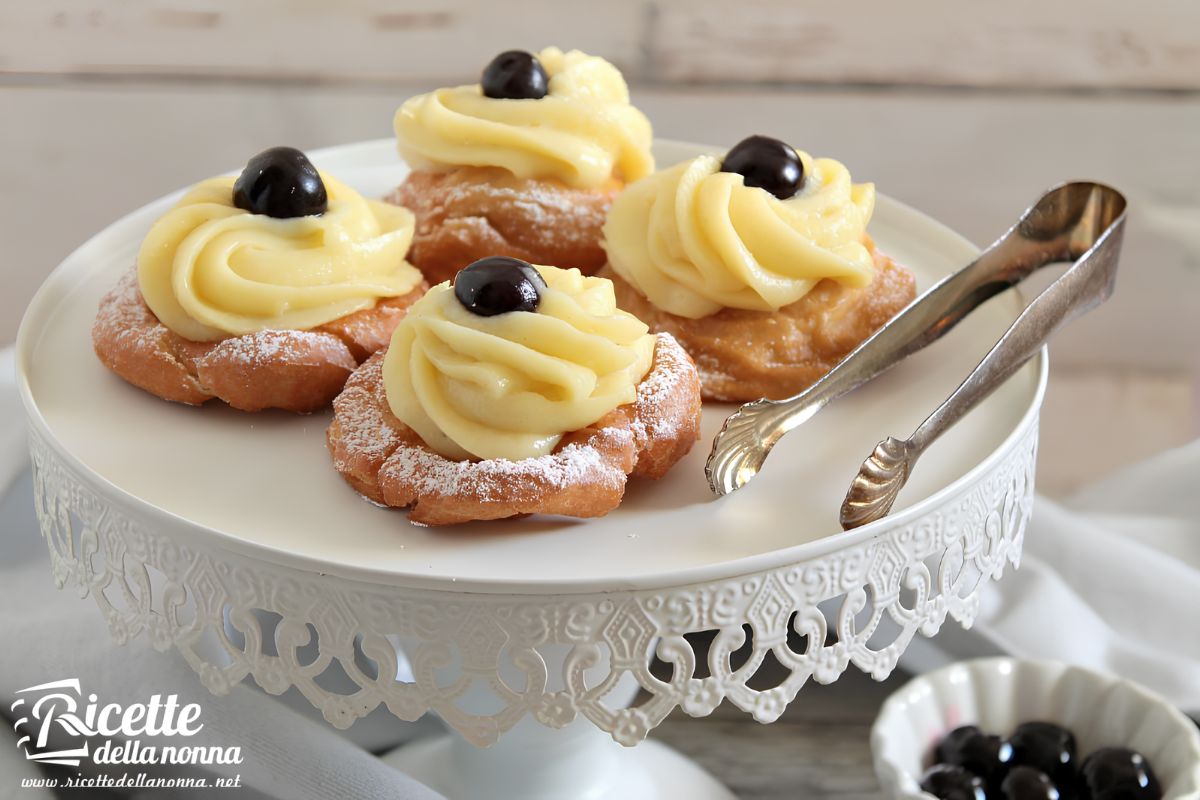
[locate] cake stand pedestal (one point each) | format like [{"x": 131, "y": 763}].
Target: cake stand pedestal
[
  {"x": 548, "y": 647},
  {"x": 538, "y": 763},
  {"x": 554, "y": 673}
]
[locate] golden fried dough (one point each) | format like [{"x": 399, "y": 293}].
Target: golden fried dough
[
  {"x": 300, "y": 371},
  {"x": 472, "y": 212},
  {"x": 744, "y": 355},
  {"x": 385, "y": 460}
]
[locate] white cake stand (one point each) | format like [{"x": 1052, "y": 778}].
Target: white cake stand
[{"x": 229, "y": 537}]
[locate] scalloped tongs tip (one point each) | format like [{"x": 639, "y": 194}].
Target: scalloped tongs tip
[{"x": 1080, "y": 222}]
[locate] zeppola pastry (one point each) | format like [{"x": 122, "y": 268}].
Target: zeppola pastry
[
  {"x": 524, "y": 163},
  {"x": 759, "y": 263},
  {"x": 265, "y": 291},
  {"x": 515, "y": 390}
]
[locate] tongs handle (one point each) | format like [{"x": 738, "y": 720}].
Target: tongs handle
[
  {"x": 1039, "y": 238},
  {"x": 1086, "y": 284},
  {"x": 1085, "y": 223},
  {"x": 1062, "y": 225}
]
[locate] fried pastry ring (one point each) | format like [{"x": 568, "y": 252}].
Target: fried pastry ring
[
  {"x": 746, "y": 355},
  {"x": 300, "y": 371},
  {"x": 386, "y": 461},
  {"x": 469, "y": 213}
]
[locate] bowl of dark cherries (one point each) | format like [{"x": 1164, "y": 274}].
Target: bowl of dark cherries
[{"x": 1009, "y": 729}]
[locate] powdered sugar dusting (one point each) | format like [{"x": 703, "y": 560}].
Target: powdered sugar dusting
[
  {"x": 494, "y": 480},
  {"x": 364, "y": 429},
  {"x": 123, "y": 316},
  {"x": 296, "y": 370},
  {"x": 656, "y": 393},
  {"x": 130, "y": 340},
  {"x": 273, "y": 346},
  {"x": 373, "y": 448},
  {"x": 534, "y": 219}
]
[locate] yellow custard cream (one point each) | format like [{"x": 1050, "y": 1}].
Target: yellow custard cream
[
  {"x": 694, "y": 240},
  {"x": 582, "y": 133},
  {"x": 210, "y": 270},
  {"x": 509, "y": 386}
]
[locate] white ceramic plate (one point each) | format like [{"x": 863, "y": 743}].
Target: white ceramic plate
[
  {"x": 263, "y": 485},
  {"x": 997, "y": 694}
]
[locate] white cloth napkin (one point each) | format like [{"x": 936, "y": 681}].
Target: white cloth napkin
[
  {"x": 1109, "y": 579},
  {"x": 47, "y": 635},
  {"x": 13, "y": 458}
]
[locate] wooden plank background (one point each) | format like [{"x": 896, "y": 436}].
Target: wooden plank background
[
  {"x": 1105, "y": 44},
  {"x": 964, "y": 110}
]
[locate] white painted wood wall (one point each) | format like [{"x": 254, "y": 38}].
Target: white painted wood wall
[
  {"x": 963, "y": 109},
  {"x": 1153, "y": 44}
]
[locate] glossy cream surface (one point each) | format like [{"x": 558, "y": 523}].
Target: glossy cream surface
[
  {"x": 694, "y": 240},
  {"x": 510, "y": 385},
  {"x": 583, "y": 133},
  {"x": 210, "y": 270}
]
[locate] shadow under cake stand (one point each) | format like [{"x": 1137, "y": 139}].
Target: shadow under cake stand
[{"x": 229, "y": 537}]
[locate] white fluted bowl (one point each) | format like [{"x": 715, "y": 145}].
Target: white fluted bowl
[{"x": 997, "y": 694}]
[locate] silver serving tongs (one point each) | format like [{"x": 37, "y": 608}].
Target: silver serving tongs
[{"x": 1082, "y": 222}]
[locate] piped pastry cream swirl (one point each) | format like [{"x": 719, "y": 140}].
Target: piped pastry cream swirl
[
  {"x": 694, "y": 240},
  {"x": 583, "y": 133},
  {"x": 210, "y": 270},
  {"x": 510, "y": 386}
]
